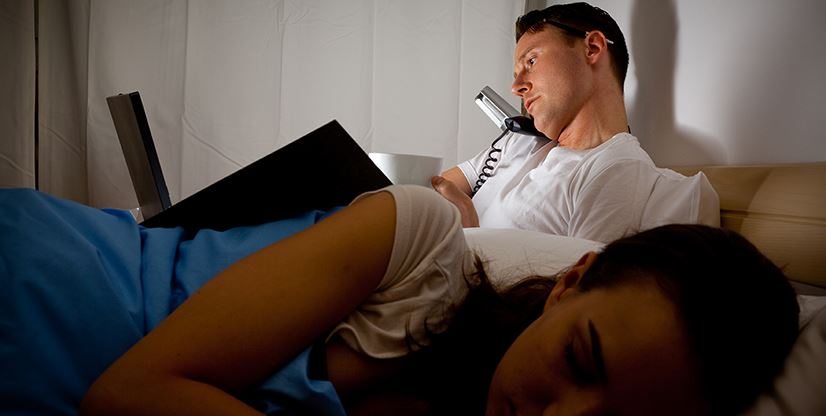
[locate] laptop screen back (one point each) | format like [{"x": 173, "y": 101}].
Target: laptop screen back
[{"x": 139, "y": 151}]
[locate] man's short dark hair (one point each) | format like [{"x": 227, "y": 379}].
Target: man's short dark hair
[{"x": 575, "y": 19}]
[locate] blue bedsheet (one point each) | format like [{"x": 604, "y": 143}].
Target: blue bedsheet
[{"x": 81, "y": 285}]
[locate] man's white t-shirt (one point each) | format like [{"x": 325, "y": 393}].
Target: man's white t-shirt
[{"x": 601, "y": 194}]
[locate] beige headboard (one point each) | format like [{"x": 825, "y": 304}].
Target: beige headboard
[{"x": 780, "y": 208}]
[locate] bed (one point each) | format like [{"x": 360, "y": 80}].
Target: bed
[{"x": 780, "y": 208}]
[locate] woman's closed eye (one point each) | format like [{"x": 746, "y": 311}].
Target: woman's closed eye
[{"x": 580, "y": 373}]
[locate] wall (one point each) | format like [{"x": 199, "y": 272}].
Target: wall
[{"x": 732, "y": 82}]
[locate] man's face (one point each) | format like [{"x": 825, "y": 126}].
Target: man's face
[{"x": 552, "y": 78}]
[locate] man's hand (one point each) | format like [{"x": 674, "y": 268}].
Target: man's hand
[{"x": 452, "y": 193}]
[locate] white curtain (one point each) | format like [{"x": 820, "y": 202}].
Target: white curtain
[
  {"x": 227, "y": 82},
  {"x": 17, "y": 90}
]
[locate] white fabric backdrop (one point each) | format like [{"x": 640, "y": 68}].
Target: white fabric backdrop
[
  {"x": 17, "y": 94},
  {"x": 63, "y": 94},
  {"x": 225, "y": 83}
]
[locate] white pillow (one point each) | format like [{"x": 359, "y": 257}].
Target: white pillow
[
  {"x": 511, "y": 254},
  {"x": 799, "y": 390},
  {"x": 810, "y": 306}
]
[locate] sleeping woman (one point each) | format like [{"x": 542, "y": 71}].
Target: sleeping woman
[{"x": 379, "y": 308}]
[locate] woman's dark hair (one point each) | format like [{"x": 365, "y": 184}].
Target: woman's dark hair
[
  {"x": 464, "y": 357},
  {"x": 739, "y": 312},
  {"x": 576, "y": 19}
]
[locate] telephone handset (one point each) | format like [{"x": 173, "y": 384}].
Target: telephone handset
[{"x": 506, "y": 118}]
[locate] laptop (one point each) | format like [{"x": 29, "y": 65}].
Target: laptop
[
  {"x": 140, "y": 153},
  {"x": 324, "y": 169}
]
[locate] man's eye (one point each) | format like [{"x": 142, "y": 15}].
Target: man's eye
[
  {"x": 579, "y": 374},
  {"x": 531, "y": 61}
]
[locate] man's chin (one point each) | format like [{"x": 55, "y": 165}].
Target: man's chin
[{"x": 541, "y": 126}]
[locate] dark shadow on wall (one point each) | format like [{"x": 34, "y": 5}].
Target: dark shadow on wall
[
  {"x": 653, "y": 38},
  {"x": 777, "y": 102}
]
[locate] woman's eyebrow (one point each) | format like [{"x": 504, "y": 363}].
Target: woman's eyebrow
[{"x": 596, "y": 351}]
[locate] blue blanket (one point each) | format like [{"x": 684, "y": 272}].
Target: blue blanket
[{"x": 81, "y": 285}]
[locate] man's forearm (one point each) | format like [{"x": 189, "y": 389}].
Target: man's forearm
[{"x": 457, "y": 178}]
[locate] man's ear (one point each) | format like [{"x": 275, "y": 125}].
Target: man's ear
[
  {"x": 596, "y": 44},
  {"x": 567, "y": 284}
]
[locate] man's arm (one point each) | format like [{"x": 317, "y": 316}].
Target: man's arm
[
  {"x": 455, "y": 176},
  {"x": 453, "y": 185}
]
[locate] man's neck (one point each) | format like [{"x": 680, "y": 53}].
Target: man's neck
[{"x": 596, "y": 123}]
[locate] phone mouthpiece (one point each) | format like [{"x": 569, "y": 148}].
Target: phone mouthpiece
[{"x": 522, "y": 125}]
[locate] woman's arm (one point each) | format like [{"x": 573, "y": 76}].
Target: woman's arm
[{"x": 253, "y": 317}]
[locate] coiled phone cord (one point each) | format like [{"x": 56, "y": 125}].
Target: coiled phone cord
[
  {"x": 518, "y": 124},
  {"x": 487, "y": 169}
]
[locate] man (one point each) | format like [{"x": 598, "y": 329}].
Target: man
[{"x": 597, "y": 183}]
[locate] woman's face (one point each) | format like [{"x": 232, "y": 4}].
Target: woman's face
[{"x": 619, "y": 351}]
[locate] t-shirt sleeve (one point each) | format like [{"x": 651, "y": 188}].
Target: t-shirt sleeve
[
  {"x": 471, "y": 167},
  {"x": 679, "y": 199},
  {"x": 424, "y": 277},
  {"x": 630, "y": 196}
]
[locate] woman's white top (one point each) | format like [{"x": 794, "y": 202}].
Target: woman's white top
[{"x": 424, "y": 278}]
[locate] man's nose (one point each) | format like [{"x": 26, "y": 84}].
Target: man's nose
[{"x": 520, "y": 87}]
